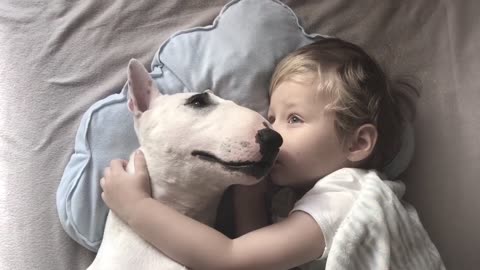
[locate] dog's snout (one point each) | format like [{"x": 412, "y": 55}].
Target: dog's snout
[{"x": 269, "y": 138}]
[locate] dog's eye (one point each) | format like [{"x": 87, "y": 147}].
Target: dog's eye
[{"x": 198, "y": 101}]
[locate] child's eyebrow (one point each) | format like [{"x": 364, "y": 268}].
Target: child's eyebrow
[{"x": 289, "y": 104}]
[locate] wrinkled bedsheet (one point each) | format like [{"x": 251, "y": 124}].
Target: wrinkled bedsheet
[{"x": 59, "y": 57}]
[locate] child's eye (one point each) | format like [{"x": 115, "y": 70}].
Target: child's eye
[{"x": 294, "y": 119}]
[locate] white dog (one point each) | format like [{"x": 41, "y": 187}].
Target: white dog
[{"x": 195, "y": 146}]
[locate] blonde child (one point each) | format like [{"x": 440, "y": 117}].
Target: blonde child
[{"x": 340, "y": 121}]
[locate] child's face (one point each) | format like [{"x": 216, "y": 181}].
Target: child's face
[{"x": 310, "y": 148}]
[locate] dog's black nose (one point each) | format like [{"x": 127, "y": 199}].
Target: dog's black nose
[{"x": 269, "y": 140}]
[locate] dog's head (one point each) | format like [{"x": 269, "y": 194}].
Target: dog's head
[{"x": 199, "y": 135}]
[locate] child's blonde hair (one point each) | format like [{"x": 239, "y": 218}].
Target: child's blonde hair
[{"x": 360, "y": 91}]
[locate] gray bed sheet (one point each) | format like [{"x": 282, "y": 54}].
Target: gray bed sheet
[{"x": 59, "y": 57}]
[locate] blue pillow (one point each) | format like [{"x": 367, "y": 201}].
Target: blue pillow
[{"x": 234, "y": 57}]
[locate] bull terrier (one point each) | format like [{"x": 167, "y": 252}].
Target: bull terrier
[{"x": 195, "y": 146}]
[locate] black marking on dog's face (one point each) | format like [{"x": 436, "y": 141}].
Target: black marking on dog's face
[
  {"x": 257, "y": 169},
  {"x": 269, "y": 141},
  {"x": 199, "y": 101}
]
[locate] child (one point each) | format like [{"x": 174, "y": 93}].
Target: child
[{"x": 340, "y": 121}]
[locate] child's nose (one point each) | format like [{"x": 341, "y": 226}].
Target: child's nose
[{"x": 276, "y": 126}]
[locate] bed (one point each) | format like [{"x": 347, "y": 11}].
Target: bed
[{"x": 57, "y": 58}]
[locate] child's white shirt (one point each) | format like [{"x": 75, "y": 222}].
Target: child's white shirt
[
  {"x": 352, "y": 208},
  {"x": 328, "y": 203},
  {"x": 331, "y": 198}
]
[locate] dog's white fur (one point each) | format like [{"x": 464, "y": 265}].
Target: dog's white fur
[{"x": 169, "y": 130}]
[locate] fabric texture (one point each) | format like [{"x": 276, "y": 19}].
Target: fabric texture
[
  {"x": 57, "y": 58},
  {"x": 365, "y": 223},
  {"x": 379, "y": 231},
  {"x": 329, "y": 202}
]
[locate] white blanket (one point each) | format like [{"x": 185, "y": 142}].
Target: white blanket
[{"x": 382, "y": 232}]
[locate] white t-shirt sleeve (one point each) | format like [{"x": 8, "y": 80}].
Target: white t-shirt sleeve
[{"x": 330, "y": 200}]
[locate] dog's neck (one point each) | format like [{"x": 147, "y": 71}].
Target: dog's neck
[{"x": 196, "y": 196}]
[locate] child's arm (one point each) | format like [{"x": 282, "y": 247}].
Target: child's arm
[
  {"x": 249, "y": 209},
  {"x": 292, "y": 242}
]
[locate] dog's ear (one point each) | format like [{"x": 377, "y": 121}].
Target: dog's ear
[{"x": 142, "y": 89}]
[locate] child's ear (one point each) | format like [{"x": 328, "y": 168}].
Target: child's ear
[{"x": 362, "y": 143}]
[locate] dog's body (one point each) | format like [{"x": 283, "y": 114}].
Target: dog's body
[{"x": 195, "y": 146}]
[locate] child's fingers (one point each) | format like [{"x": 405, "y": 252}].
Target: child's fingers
[
  {"x": 140, "y": 164},
  {"x": 117, "y": 165},
  {"x": 106, "y": 172},
  {"x": 124, "y": 163}
]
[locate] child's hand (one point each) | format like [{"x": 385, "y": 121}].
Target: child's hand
[{"x": 123, "y": 191}]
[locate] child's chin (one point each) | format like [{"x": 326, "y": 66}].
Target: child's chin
[{"x": 278, "y": 180}]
